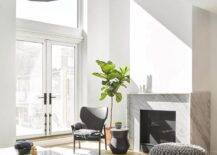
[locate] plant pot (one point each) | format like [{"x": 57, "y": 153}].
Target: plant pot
[
  {"x": 24, "y": 151},
  {"x": 119, "y": 142},
  {"x": 108, "y": 135},
  {"x": 118, "y": 125}
]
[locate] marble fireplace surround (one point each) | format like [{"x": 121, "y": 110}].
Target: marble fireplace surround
[{"x": 192, "y": 116}]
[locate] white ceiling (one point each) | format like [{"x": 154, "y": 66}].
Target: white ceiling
[{"x": 209, "y": 5}]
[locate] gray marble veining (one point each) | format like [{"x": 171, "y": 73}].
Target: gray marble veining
[
  {"x": 192, "y": 125},
  {"x": 200, "y": 119}
]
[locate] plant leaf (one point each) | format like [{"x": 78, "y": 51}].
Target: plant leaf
[
  {"x": 109, "y": 92},
  {"x": 108, "y": 67},
  {"x": 104, "y": 82},
  {"x": 124, "y": 85},
  {"x": 103, "y": 96},
  {"x": 118, "y": 97},
  {"x": 127, "y": 78},
  {"x": 100, "y": 75},
  {"x": 124, "y": 70},
  {"x": 103, "y": 88},
  {"x": 112, "y": 75},
  {"x": 100, "y": 63}
]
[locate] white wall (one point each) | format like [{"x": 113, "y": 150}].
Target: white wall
[
  {"x": 107, "y": 29},
  {"x": 200, "y": 60},
  {"x": 161, "y": 44},
  {"x": 7, "y": 78},
  {"x": 130, "y": 35},
  {"x": 107, "y": 32},
  {"x": 175, "y": 15},
  {"x": 119, "y": 46},
  {"x": 213, "y": 80},
  {"x": 109, "y": 35},
  {"x": 97, "y": 46},
  {"x": 119, "y": 22}
]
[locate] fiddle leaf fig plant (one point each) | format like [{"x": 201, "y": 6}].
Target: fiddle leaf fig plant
[{"x": 112, "y": 80}]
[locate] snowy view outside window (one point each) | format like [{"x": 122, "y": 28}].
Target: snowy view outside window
[
  {"x": 62, "y": 87},
  {"x": 29, "y": 108}
]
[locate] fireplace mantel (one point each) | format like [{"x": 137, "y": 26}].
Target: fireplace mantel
[
  {"x": 192, "y": 115},
  {"x": 159, "y": 93}
]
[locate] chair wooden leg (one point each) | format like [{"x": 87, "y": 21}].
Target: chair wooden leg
[
  {"x": 74, "y": 145},
  {"x": 99, "y": 146},
  {"x": 105, "y": 138},
  {"x": 79, "y": 143},
  {"x": 105, "y": 144}
]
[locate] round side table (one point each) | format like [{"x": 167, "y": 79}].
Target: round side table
[{"x": 119, "y": 142}]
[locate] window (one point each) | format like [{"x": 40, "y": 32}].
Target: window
[
  {"x": 59, "y": 12},
  {"x": 46, "y": 53}
]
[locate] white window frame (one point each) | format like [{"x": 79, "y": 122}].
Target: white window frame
[
  {"x": 26, "y": 29},
  {"x": 34, "y": 31}
]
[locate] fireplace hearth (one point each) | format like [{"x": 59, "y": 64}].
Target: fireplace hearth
[{"x": 156, "y": 127}]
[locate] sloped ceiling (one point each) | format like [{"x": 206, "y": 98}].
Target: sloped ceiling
[{"x": 209, "y": 5}]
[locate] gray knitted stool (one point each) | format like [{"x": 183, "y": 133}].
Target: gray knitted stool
[{"x": 176, "y": 149}]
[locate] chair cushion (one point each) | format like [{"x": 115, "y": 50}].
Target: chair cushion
[
  {"x": 177, "y": 149},
  {"x": 87, "y": 134}
]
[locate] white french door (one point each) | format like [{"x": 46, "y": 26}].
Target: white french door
[
  {"x": 60, "y": 86},
  {"x": 45, "y": 97}
]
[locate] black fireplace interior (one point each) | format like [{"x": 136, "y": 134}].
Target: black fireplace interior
[{"x": 156, "y": 127}]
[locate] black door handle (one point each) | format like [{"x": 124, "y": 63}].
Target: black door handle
[
  {"x": 44, "y": 97},
  {"x": 50, "y": 98}
]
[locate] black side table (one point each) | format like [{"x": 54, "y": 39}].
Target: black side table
[{"x": 119, "y": 142}]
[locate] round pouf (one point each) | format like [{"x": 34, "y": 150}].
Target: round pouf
[{"x": 176, "y": 149}]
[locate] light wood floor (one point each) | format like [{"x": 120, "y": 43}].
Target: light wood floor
[{"x": 88, "y": 146}]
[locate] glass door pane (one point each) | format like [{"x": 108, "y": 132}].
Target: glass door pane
[
  {"x": 62, "y": 87},
  {"x": 29, "y": 104}
]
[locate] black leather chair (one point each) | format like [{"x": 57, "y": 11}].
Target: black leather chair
[{"x": 92, "y": 126}]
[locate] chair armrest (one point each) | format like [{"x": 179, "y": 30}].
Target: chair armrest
[
  {"x": 104, "y": 130},
  {"x": 73, "y": 127}
]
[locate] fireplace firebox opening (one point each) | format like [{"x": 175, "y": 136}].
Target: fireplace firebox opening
[{"x": 156, "y": 127}]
